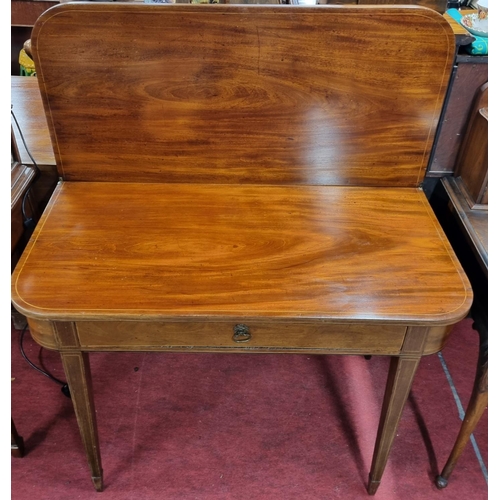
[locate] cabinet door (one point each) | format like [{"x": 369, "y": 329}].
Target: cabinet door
[{"x": 467, "y": 79}]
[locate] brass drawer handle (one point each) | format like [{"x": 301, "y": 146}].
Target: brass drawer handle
[{"x": 241, "y": 333}]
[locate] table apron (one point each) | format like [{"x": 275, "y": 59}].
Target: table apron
[{"x": 233, "y": 336}]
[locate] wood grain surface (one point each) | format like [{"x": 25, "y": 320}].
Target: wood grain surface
[
  {"x": 241, "y": 164},
  {"x": 328, "y": 95},
  {"x": 28, "y": 109},
  {"x": 320, "y": 338},
  {"x": 151, "y": 251}
]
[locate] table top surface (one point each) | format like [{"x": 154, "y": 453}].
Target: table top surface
[
  {"x": 286, "y": 189},
  {"x": 223, "y": 251}
]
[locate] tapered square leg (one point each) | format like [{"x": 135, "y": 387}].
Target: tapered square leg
[
  {"x": 77, "y": 369},
  {"x": 401, "y": 373}
]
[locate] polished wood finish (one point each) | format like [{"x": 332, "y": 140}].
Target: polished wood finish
[
  {"x": 262, "y": 337},
  {"x": 223, "y": 251},
  {"x": 40, "y": 175},
  {"x": 253, "y": 190},
  {"x": 77, "y": 368},
  {"x": 28, "y": 109},
  {"x": 401, "y": 373},
  {"x": 199, "y": 122}
]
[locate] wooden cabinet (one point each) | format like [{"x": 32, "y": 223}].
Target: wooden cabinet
[
  {"x": 26, "y": 12},
  {"x": 22, "y": 203},
  {"x": 39, "y": 178},
  {"x": 468, "y": 77},
  {"x": 469, "y": 74},
  {"x": 472, "y": 165}
]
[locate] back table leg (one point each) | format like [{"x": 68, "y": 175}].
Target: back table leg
[
  {"x": 77, "y": 369},
  {"x": 401, "y": 373}
]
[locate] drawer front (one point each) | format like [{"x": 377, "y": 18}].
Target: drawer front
[{"x": 233, "y": 336}]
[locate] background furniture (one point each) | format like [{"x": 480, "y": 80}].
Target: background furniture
[
  {"x": 462, "y": 210},
  {"x": 39, "y": 176},
  {"x": 470, "y": 73},
  {"x": 22, "y": 205},
  {"x": 22, "y": 202},
  {"x": 24, "y": 13},
  {"x": 30, "y": 115},
  {"x": 471, "y": 227},
  {"x": 471, "y": 170}
]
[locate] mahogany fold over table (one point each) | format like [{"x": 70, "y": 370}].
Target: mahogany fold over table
[{"x": 241, "y": 179}]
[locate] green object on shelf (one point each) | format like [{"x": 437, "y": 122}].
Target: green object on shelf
[{"x": 26, "y": 64}]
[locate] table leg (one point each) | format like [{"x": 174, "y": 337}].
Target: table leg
[
  {"x": 16, "y": 441},
  {"x": 401, "y": 373},
  {"x": 77, "y": 369},
  {"x": 475, "y": 409}
]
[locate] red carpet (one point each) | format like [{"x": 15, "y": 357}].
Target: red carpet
[{"x": 243, "y": 427}]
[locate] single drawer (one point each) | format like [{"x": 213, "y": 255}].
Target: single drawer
[{"x": 238, "y": 336}]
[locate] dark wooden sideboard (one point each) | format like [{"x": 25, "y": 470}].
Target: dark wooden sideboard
[{"x": 469, "y": 74}]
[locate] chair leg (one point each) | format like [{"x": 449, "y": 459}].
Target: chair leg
[{"x": 475, "y": 409}]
